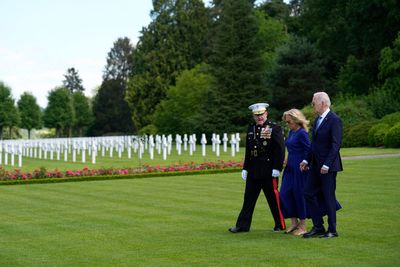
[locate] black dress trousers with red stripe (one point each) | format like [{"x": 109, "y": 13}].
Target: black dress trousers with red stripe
[{"x": 262, "y": 156}]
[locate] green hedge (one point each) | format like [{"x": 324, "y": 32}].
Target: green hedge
[
  {"x": 377, "y": 133},
  {"x": 356, "y": 135},
  {"x": 114, "y": 177},
  {"x": 371, "y": 133},
  {"x": 391, "y": 119},
  {"x": 392, "y": 138}
]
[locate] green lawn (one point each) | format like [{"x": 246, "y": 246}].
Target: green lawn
[
  {"x": 360, "y": 151},
  {"x": 183, "y": 221}
]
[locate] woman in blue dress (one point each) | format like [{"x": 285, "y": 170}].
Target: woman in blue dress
[{"x": 293, "y": 180}]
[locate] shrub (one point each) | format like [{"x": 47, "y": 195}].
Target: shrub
[
  {"x": 356, "y": 135},
  {"x": 150, "y": 129},
  {"x": 391, "y": 119},
  {"x": 352, "y": 110},
  {"x": 376, "y": 134},
  {"x": 392, "y": 138},
  {"x": 383, "y": 101}
]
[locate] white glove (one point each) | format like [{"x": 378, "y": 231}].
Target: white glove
[
  {"x": 244, "y": 175},
  {"x": 275, "y": 173}
]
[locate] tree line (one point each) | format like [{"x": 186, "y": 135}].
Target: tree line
[{"x": 196, "y": 68}]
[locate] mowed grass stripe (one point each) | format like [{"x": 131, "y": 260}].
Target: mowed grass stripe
[{"x": 183, "y": 221}]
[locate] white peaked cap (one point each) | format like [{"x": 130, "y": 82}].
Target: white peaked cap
[{"x": 259, "y": 108}]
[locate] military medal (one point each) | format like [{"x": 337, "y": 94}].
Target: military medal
[{"x": 265, "y": 143}]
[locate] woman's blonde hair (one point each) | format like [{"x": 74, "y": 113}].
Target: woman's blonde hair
[{"x": 297, "y": 117}]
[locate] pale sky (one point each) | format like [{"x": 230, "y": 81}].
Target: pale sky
[{"x": 41, "y": 39}]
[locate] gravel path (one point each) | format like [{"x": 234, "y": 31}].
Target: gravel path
[{"x": 372, "y": 156}]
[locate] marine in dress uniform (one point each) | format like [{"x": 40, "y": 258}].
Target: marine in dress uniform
[{"x": 265, "y": 153}]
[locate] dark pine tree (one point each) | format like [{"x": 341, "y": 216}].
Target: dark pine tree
[
  {"x": 72, "y": 81},
  {"x": 111, "y": 112},
  {"x": 237, "y": 65}
]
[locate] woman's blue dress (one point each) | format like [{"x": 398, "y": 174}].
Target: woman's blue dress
[{"x": 293, "y": 180}]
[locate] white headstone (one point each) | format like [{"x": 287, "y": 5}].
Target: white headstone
[
  {"x": 12, "y": 154},
  {"x": 169, "y": 143},
  {"x": 141, "y": 148},
  {"x": 19, "y": 152},
  {"x": 164, "y": 147},
  {"x": 158, "y": 144},
  {"x": 191, "y": 144},
  {"x": 203, "y": 142},
  {"x": 225, "y": 142},
  {"x": 233, "y": 145},
  {"x": 83, "y": 148},
  {"x": 185, "y": 140},
  {"x": 213, "y": 139},
  {"x": 129, "y": 147},
  {"x": 151, "y": 147},
  {"x": 217, "y": 143},
  {"x": 94, "y": 152},
  {"x": 194, "y": 141},
  {"x": 74, "y": 151},
  {"x": 178, "y": 141},
  {"x": 237, "y": 142}
]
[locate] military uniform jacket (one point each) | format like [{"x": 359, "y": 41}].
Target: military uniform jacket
[{"x": 264, "y": 154}]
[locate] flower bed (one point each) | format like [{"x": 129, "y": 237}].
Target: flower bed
[{"x": 7, "y": 177}]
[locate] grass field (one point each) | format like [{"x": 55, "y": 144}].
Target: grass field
[{"x": 183, "y": 221}]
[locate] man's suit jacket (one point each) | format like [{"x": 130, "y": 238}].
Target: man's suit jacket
[{"x": 326, "y": 142}]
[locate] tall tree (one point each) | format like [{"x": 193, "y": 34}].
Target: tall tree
[
  {"x": 111, "y": 112},
  {"x": 59, "y": 113},
  {"x": 179, "y": 111},
  {"x": 119, "y": 60},
  {"x": 385, "y": 99},
  {"x": 30, "y": 113},
  {"x": 72, "y": 81},
  {"x": 82, "y": 111},
  {"x": 8, "y": 112},
  {"x": 237, "y": 65},
  {"x": 275, "y": 9},
  {"x": 355, "y": 28},
  {"x": 299, "y": 71},
  {"x": 271, "y": 35},
  {"x": 175, "y": 40}
]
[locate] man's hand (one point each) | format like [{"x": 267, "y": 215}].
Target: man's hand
[
  {"x": 324, "y": 169},
  {"x": 244, "y": 175}
]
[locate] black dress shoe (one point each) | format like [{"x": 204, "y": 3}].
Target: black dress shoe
[
  {"x": 315, "y": 232},
  {"x": 330, "y": 235},
  {"x": 236, "y": 229}
]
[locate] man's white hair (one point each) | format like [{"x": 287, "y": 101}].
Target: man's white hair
[{"x": 323, "y": 97}]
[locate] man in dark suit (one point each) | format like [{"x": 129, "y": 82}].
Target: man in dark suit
[
  {"x": 324, "y": 162},
  {"x": 265, "y": 153}
]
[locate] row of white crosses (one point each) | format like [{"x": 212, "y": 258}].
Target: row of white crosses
[
  {"x": 235, "y": 143},
  {"x": 79, "y": 149},
  {"x": 12, "y": 149}
]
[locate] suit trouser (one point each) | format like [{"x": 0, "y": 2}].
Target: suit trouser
[
  {"x": 252, "y": 191},
  {"x": 324, "y": 184}
]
